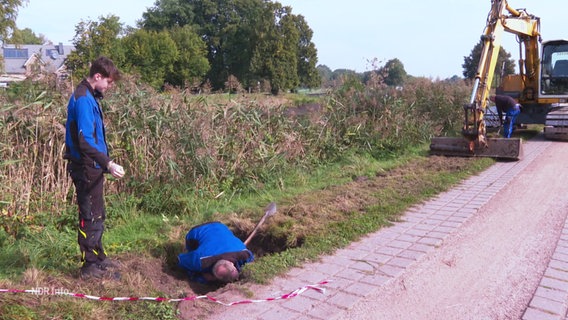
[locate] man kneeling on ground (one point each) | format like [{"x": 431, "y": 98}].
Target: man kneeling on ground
[{"x": 214, "y": 254}]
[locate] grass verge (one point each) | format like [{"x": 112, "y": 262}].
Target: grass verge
[{"x": 319, "y": 212}]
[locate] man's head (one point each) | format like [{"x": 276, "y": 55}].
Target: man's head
[
  {"x": 225, "y": 271},
  {"x": 102, "y": 74}
]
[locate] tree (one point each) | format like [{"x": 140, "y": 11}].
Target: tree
[
  {"x": 339, "y": 73},
  {"x": 275, "y": 58},
  {"x": 325, "y": 73},
  {"x": 25, "y": 36},
  {"x": 216, "y": 22},
  {"x": 307, "y": 55},
  {"x": 191, "y": 64},
  {"x": 175, "y": 56},
  {"x": 395, "y": 75},
  {"x": 8, "y": 15},
  {"x": 285, "y": 54},
  {"x": 93, "y": 39},
  {"x": 151, "y": 54},
  {"x": 234, "y": 38},
  {"x": 253, "y": 40},
  {"x": 167, "y": 14},
  {"x": 471, "y": 62}
]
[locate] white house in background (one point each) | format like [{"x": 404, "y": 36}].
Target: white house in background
[{"x": 23, "y": 61}]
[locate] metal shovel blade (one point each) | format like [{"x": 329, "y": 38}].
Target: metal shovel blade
[{"x": 270, "y": 209}]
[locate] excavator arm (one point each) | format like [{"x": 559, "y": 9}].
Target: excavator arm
[{"x": 501, "y": 18}]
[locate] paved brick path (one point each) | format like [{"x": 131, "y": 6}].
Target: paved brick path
[
  {"x": 551, "y": 297},
  {"x": 364, "y": 266}
]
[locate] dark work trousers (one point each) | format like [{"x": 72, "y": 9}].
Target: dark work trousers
[{"x": 89, "y": 183}]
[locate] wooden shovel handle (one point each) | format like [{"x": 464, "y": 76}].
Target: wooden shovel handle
[{"x": 270, "y": 210}]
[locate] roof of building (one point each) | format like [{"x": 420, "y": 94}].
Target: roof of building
[{"x": 51, "y": 56}]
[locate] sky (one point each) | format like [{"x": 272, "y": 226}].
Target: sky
[{"x": 430, "y": 38}]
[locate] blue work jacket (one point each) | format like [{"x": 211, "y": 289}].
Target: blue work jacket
[
  {"x": 209, "y": 243},
  {"x": 85, "y": 139}
]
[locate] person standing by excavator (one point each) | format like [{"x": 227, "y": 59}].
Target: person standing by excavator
[{"x": 511, "y": 108}]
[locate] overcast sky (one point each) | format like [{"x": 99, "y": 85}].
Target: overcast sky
[{"x": 430, "y": 38}]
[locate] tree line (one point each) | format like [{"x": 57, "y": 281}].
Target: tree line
[
  {"x": 231, "y": 45},
  {"x": 240, "y": 44}
]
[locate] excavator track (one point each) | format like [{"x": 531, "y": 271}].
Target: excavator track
[
  {"x": 556, "y": 125},
  {"x": 500, "y": 148}
]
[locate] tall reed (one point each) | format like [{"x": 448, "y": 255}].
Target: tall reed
[{"x": 213, "y": 143}]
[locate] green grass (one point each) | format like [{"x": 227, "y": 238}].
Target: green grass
[
  {"x": 131, "y": 229},
  {"x": 339, "y": 234}
]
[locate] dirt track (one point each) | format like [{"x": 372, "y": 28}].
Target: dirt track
[{"x": 491, "y": 267}]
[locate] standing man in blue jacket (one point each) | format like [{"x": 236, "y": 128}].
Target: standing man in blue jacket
[
  {"x": 88, "y": 159},
  {"x": 214, "y": 254}
]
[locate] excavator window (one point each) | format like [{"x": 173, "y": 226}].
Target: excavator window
[
  {"x": 560, "y": 68},
  {"x": 554, "y": 78}
]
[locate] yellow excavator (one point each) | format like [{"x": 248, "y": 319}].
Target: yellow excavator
[{"x": 541, "y": 87}]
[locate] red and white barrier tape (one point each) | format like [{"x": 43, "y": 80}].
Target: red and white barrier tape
[{"x": 48, "y": 291}]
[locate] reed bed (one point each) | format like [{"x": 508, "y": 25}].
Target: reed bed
[{"x": 212, "y": 144}]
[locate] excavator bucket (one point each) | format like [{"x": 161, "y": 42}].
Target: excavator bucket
[{"x": 500, "y": 148}]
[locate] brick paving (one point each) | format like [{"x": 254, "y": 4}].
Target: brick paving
[
  {"x": 551, "y": 297},
  {"x": 364, "y": 266}
]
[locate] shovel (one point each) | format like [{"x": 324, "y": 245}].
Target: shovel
[{"x": 270, "y": 210}]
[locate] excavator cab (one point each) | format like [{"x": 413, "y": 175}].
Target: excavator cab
[
  {"x": 544, "y": 96},
  {"x": 554, "y": 88},
  {"x": 554, "y": 67}
]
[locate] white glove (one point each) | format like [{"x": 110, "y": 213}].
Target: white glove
[{"x": 116, "y": 170}]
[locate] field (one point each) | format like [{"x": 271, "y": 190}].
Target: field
[{"x": 338, "y": 166}]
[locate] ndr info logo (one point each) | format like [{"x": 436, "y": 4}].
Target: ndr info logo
[{"x": 49, "y": 291}]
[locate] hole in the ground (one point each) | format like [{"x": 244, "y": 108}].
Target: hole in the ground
[{"x": 266, "y": 244}]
